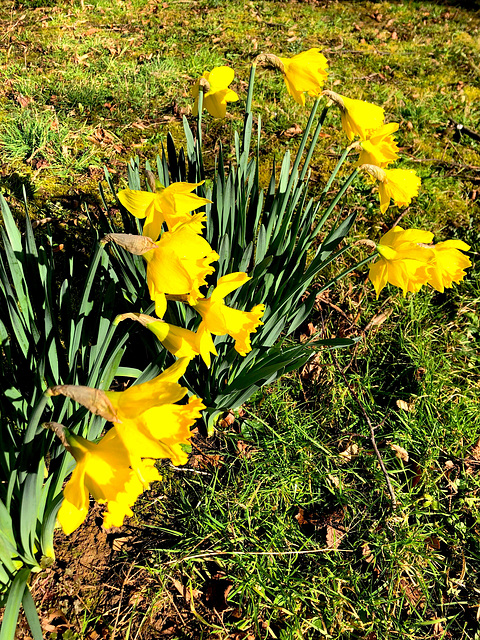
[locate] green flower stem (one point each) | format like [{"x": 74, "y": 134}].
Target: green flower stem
[
  {"x": 334, "y": 202},
  {"x": 199, "y": 117},
  {"x": 296, "y": 164},
  {"x": 335, "y": 171},
  {"x": 248, "y": 104},
  {"x": 313, "y": 143},
  {"x": 346, "y": 272},
  {"x": 201, "y": 174}
]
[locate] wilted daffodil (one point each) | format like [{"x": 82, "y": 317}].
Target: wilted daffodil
[
  {"x": 399, "y": 185},
  {"x": 105, "y": 471},
  {"x": 180, "y": 342},
  {"x": 358, "y": 117},
  {"x": 171, "y": 205},
  {"x": 219, "y": 319},
  {"x": 305, "y": 73},
  {"x": 404, "y": 260},
  {"x": 214, "y": 84},
  {"x": 380, "y": 148},
  {"x": 449, "y": 264}
]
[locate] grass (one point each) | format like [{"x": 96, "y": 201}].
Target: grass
[
  {"x": 275, "y": 493},
  {"x": 282, "y": 526}
]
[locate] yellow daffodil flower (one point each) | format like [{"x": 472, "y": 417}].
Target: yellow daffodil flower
[
  {"x": 171, "y": 205},
  {"x": 104, "y": 471},
  {"x": 449, "y": 264},
  {"x": 358, "y": 117},
  {"x": 182, "y": 343},
  {"x": 218, "y": 94},
  {"x": 305, "y": 73},
  {"x": 380, "y": 147},
  {"x": 399, "y": 185},
  {"x": 162, "y": 430},
  {"x": 219, "y": 319},
  {"x": 403, "y": 261},
  {"x": 179, "y": 265},
  {"x": 147, "y": 425}
]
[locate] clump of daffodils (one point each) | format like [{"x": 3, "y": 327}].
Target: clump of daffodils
[{"x": 147, "y": 420}]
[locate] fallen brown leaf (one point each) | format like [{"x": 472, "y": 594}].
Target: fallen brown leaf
[
  {"x": 367, "y": 553},
  {"x": 405, "y": 406},
  {"x": 22, "y": 100},
  {"x": 206, "y": 460},
  {"x": 472, "y": 463},
  {"x": 412, "y": 592},
  {"x": 185, "y": 591},
  {"x": 227, "y": 420},
  {"x": 334, "y": 536},
  {"x": 400, "y": 452},
  {"x": 350, "y": 452},
  {"x": 119, "y": 543},
  {"x": 55, "y": 622},
  {"x": 293, "y": 131},
  {"x": 216, "y": 592},
  {"x": 379, "y": 319}
]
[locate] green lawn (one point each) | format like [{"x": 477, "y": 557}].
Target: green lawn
[{"x": 282, "y": 525}]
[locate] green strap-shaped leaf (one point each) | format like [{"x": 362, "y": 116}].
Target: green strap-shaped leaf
[
  {"x": 14, "y": 235},
  {"x": 12, "y": 608},
  {"x": 28, "y": 516},
  {"x": 49, "y": 519},
  {"x": 31, "y": 614}
]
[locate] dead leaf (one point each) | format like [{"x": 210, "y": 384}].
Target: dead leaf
[
  {"x": 334, "y": 536},
  {"x": 55, "y": 622},
  {"x": 227, "y": 420},
  {"x": 413, "y": 593},
  {"x": 476, "y": 451},
  {"x": 185, "y": 591},
  {"x": 333, "y": 481},
  {"x": 406, "y": 406},
  {"x": 400, "y": 452},
  {"x": 350, "y": 452},
  {"x": 23, "y": 101},
  {"x": 418, "y": 474},
  {"x": 101, "y": 136},
  {"x": 206, "y": 460},
  {"x": 118, "y": 543},
  {"x": 244, "y": 450},
  {"x": 433, "y": 542},
  {"x": 472, "y": 463},
  {"x": 367, "y": 554},
  {"x": 217, "y": 590},
  {"x": 419, "y": 373},
  {"x": 293, "y": 131},
  {"x": 379, "y": 319},
  {"x": 300, "y": 517},
  {"x": 312, "y": 370}
]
